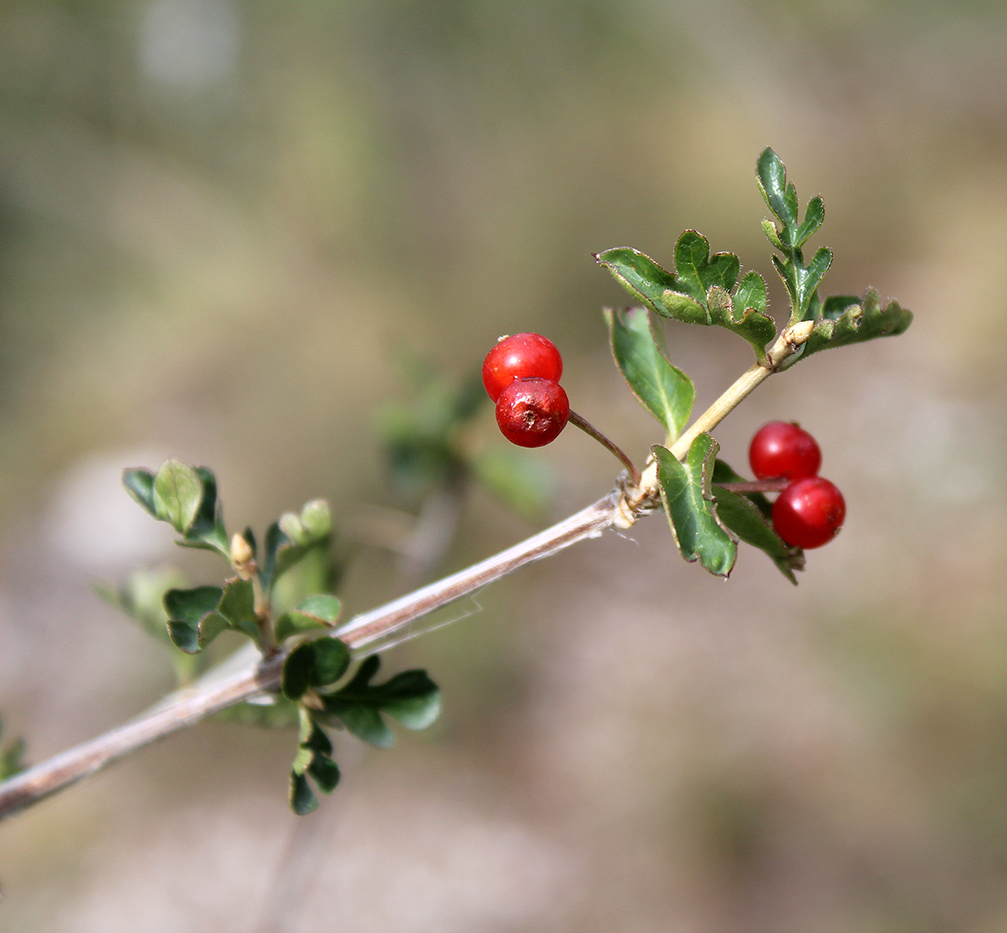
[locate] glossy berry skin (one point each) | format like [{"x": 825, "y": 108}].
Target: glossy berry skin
[
  {"x": 809, "y": 512},
  {"x": 532, "y": 412},
  {"x": 783, "y": 449},
  {"x": 520, "y": 356}
]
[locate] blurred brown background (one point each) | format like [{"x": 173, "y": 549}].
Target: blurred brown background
[{"x": 222, "y": 226}]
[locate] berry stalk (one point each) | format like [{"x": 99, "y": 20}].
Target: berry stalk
[{"x": 608, "y": 444}]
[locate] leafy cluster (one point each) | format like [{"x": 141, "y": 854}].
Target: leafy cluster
[
  {"x": 708, "y": 520},
  {"x": 705, "y": 289},
  {"x": 315, "y": 660}
]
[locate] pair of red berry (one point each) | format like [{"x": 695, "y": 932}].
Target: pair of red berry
[
  {"x": 809, "y": 510},
  {"x": 521, "y": 374}
]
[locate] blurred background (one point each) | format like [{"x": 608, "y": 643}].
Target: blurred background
[{"x": 233, "y": 232}]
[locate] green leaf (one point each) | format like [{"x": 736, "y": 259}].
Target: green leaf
[
  {"x": 411, "y": 697},
  {"x": 207, "y": 529},
  {"x": 699, "y": 293},
  {"x": 311, "y": 735},
  {"x": 193, "y": 620},
  {"x": 332, "y": 658},
  {"x": 325, "y": 773},
  {"x": 314, "y": 759},
  {"x": 237, "y": 606},
  {"x": 844, "y": 321},
  {"x": 139, "y": 484},
  {"x": 177, "y": 495},
  {"x": 314, "y": 664},
  {"x": 302, "y": 798},
  {"x": 314, "y": 613},
  {"x": 298, "y": 672},
  {"x": 666, "y": 392},
  {"x": 323, "y": 607},
  {"x": 290, "y": 538},
  {"x": 690, "y": 507},
  {"x": 749, "y": 516},
  {"x": 365, "y": 722},
  {"x": 780, "y": 195}
]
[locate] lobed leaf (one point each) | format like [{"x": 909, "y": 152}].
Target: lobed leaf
[
  {"x": 666, "y": 392},
  {"x": 410, "y": 697},
  {"x": 186, "y": 498},
  {"x": 690, "y": 507},
  {"x": 193, "y": 619},
  {"x": 843, "y": 321},
  {"x": 700, "y": 291}
]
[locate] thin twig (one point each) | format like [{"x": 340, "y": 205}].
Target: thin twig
[{"x": 211, "y": 694}]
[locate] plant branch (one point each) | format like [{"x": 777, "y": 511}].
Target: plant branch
[
  {"x": 214, "y": 691},
  {"x": 211, "y": 693}
]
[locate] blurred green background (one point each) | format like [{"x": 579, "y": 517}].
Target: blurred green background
[{"x": 225, "y": 230}]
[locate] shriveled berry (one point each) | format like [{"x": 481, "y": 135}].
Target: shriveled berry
[
  {"x": 783, "y": 449},
  {"x": 809, "y": 512},
  {"x": 532, "y": 412},
  {"x": 520, "y": 356}
]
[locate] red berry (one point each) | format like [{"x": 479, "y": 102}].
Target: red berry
[
  {"x": 809, "y": 512},
  {"x": 521, "y": 356},
  {"x": 532, "y": 412},
  {"x": 784, "y": 449}
]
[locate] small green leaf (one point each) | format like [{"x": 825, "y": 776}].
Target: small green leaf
[
  {"x": 325, "y": 773},
  {"x": 666, "y": 392},
  {"x": 207, "y": 529},
  {"x": 690, "y": 507},
  {"x": 183, "y": 636},
  {"x": 316, "y": 520},
  {"x": 697, "y": 271},
  {"x": 411, "y": 697},
  {"x": 780, "y": 195},
  {"x": 311, "y": 735},
  {"x": 813, "y": 218},
  {"x": 314, "y": 664},
  {"x": 332, "y": 658},
  {"x": 844, "y": 321},
  {"x": 323, "y": 607},
  {"x": 139, "y": 484},
  {"x": 297, "y": 623},
  {"x": 193, "y": 618},
  {"x": 698, "y": 293},
  {"x": 364, "y": 721},
  {"x": 191, "y": 605},
  {"x": 290, "y": 538},
  {"x": 314, "y": 613},
  {"x": 298, "y": 672},
  {"x": 237, "y": 606},
  {"x": 177, "y": 494},
  {"x": 302, "y": 798},
  {"x": 749, "y": 516}
]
